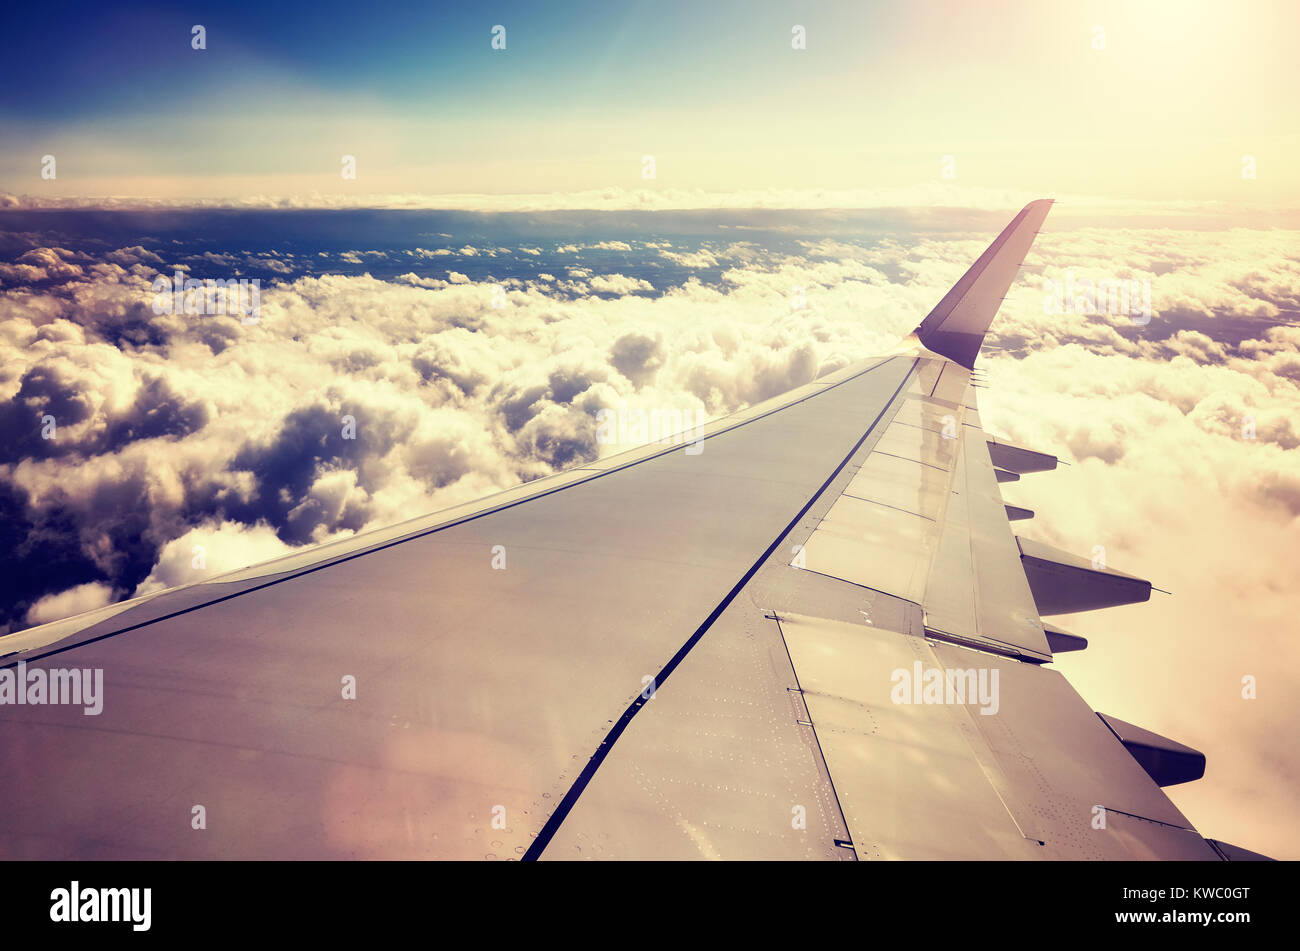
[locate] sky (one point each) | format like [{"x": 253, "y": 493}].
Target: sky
[
  {"x": 521, "y": 172},
  {"x": 1127, "y": 100}
]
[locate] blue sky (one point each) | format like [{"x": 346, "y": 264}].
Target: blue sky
[{"x": 137, "y": 57}]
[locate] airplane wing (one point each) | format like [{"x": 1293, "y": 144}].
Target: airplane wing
[{"x": 809, "y": 632}]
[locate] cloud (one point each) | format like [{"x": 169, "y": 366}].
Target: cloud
[
  {"x": 618, "y": 284},
  {"x": 133, "y": 255},
  {"x": 637, "y": 356},
  {"x": 84, "y": 597},
  {"x": 698, "y": 259},
  {"x": 949, "y": 196},
  {"x": 209, "y": 550},
  {"x": 41, "y": 264}
]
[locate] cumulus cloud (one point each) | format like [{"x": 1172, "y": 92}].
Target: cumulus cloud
[
  {"x": 136, "y": 254},
  {"x": 84, "y": 597},
  {"x": 619, "y": 284},
  {"x": 209, "y": 550},
  {"x": 41, "y": 264},
  {"x": 637, "y": 356}
]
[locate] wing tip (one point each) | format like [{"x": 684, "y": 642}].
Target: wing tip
[{"x": 957, "y": 335}]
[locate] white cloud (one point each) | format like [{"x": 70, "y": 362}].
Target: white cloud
[
  {"x": 697, "y": 259},
  {"x": 82, "y": 598},
  {"x": 210, "y": 550},
  {"x": 920, "y": 196},
  {"x": 618, "y": 284}
]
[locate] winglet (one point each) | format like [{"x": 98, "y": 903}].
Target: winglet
[{"x": 956, "y": 327}]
